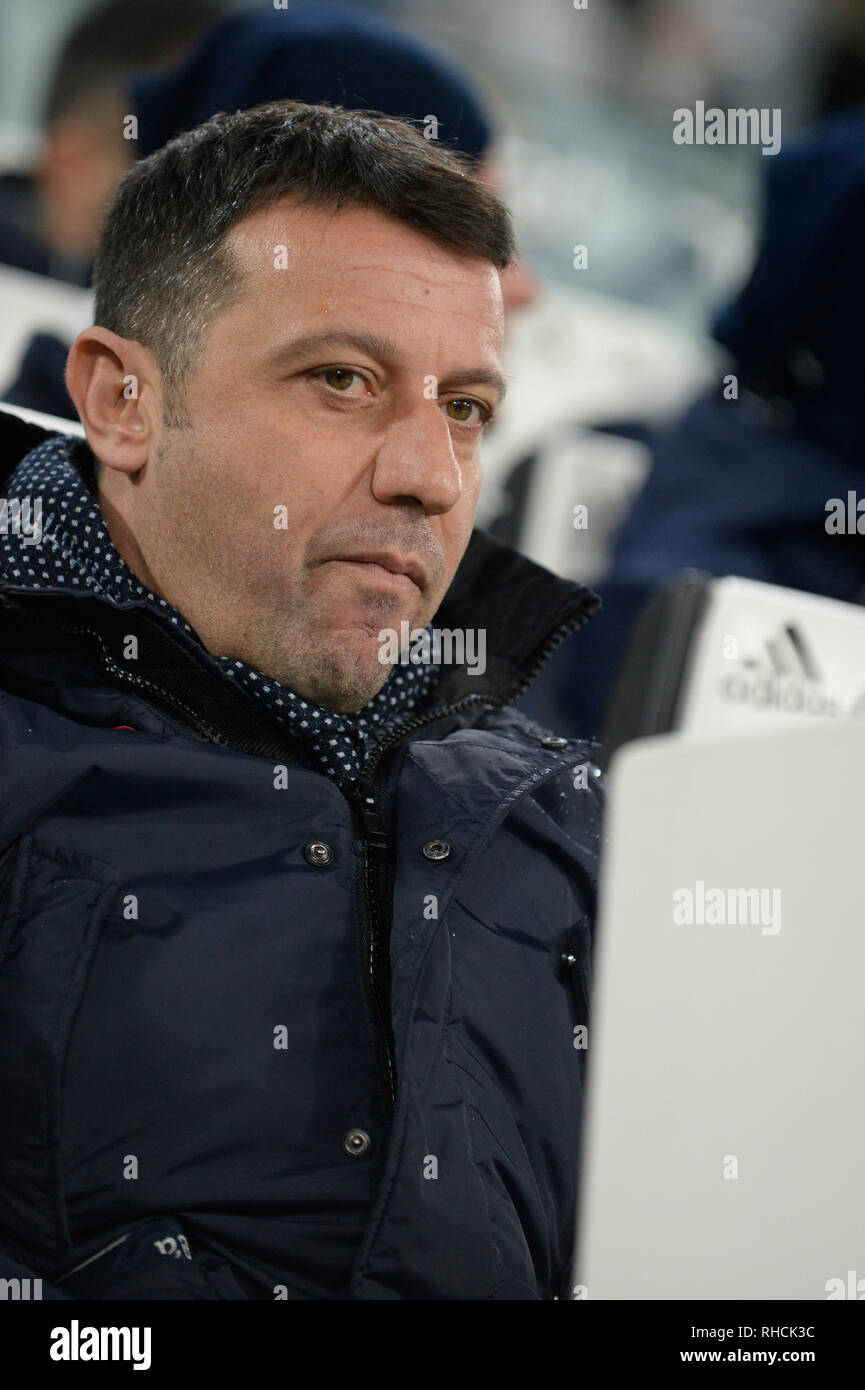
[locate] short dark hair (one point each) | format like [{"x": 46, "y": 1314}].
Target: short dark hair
[
  {"x": 162, "y": 269},
  {"x": 116, "y": 40}
]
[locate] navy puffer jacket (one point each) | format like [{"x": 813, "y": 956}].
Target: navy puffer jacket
[{"x": 193, "y": 1103}]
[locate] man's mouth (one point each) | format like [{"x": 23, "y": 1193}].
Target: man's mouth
[{"x": 392, "y": 571}]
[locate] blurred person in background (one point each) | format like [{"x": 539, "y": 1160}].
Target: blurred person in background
[
  {"x": 313, "y": 53},
  {"x": 50, "y": 220},
  {"x": 50, "y": 217},
  {"x": 332, "y": 54},
  {"x": 740, "y": 485}
]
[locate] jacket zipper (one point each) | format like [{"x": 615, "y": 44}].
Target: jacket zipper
[{"x": 375, "y": 850}]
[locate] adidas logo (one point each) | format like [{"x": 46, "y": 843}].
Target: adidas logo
[{"x": 786, "y": 679}]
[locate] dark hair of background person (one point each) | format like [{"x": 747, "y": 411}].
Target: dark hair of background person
[
  {"x": 320, "y": 53},
  {"x": 116, "y": 40},
  {"x": 163, "y": 270}
]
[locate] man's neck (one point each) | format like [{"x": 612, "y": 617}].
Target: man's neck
[{"x": 124, "y": 542}]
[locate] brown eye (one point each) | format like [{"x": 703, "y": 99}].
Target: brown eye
[
  {"x": 461, "y": 410},
  {"x": 340, "y": 378}
]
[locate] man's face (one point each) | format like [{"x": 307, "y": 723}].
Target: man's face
[{"x": 316, "y": 438}]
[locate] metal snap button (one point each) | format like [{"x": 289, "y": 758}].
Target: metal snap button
[
  {"x": 356, "y": 1142},
  {"x": 436, "y": 849},
  {"x": 554, "y": 742},
  {"x": 317, "y": 853}
]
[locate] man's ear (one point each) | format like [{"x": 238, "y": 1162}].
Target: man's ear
[{"x": 116, "y": 386}]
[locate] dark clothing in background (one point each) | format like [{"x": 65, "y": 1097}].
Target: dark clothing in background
[
  {"x": 41, "y": 380},
  {"x": 20, "y": 244},
  {"x": 740, "y": 486},
  {"x": 313, "y": 53}
]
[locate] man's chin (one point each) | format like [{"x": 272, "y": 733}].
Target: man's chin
[
  {"x": 340, "y": 699},
  {"x": 341, "y": 681}
]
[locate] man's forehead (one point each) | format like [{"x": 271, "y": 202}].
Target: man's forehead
[
  {"x": 314, "y": 252},
  {"x": 324, "y": 229}
]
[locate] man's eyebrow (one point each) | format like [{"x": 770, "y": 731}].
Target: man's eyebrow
[
  {"x": 476, "y": 376},
  {"x": 370, "y": 343},
  {"x": 287, "y": 354}
]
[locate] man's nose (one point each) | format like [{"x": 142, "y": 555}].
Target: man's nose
[{"x": 416, "y": 460}]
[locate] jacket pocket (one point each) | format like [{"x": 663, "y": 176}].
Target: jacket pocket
[{"x": 52, "y": 901}]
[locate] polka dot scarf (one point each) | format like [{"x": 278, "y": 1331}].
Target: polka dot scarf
[{"x": 76, "y": 552}]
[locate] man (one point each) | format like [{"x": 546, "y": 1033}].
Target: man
[{"x": 295, "y": 935}]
